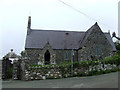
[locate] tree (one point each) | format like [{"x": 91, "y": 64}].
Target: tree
[
  {"x": 114, "y": 35},
  {"x": 23, "y": 53},
  {"x": 117, "y": 44}
]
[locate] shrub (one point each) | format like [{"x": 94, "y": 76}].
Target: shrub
[
  {"x": 81, "y": 74},
  {"x": 112, "y": 60},
  {"x": 115, "y": 69}
]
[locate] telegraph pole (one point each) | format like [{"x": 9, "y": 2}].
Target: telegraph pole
[{"x": 72, "y": 55}]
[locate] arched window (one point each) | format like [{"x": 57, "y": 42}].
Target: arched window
[
  {"x": 47, "y": 57},
  {"x": 98, "y": 51}
]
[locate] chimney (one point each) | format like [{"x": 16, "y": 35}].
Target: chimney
[
  {"x": 29, "y": 25},
  {"x": 66, "y": 41}
]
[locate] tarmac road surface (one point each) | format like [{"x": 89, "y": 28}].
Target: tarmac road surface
[{"x": 101, "y": 81}]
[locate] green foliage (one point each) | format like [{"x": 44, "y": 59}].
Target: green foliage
[
  {"x": 117, "y": 44},
  {"x": 44, "y": 66},
  {"x": 95, "y": 72},
  {"x": 115, "y": 70},
  {"x": 76, "y": 65},
  {"x": 65, "y": 63},
  {"x": 112, "y": 60},
  {"x": 23, "y": 53},
  {"x": 52, "y": 77},
  {"x": 81, "y": 74},
  {"x": 91, "y": 73},
  {"x": 118, "y": 51}
]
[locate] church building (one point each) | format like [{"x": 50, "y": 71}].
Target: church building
[{"x": 56, "y": 46}]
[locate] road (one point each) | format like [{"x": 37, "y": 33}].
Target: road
[{"x": 101, "y": 81}]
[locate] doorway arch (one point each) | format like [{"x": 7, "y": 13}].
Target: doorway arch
[{"x": 47, "y": 57}]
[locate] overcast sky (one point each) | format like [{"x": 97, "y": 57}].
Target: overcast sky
[{"x": 52, "y": 15}]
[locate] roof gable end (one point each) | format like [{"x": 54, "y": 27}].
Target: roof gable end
[{"x": 88, "y": 32}]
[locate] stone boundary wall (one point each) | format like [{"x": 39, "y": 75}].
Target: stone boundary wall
[
  {"x": 27, "y": 72},
  {"x": 39, "y": 73},
  {"x": 20, "y": 67},
  {"x": 6, "y": 63}
]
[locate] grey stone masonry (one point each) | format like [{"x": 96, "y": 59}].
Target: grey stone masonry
[
  {"x": 37, "y": 56},
  {"x": 20, "y": 69},
  {"x": 25, "y": 68},
  {"x": 34, "y": 55},
  {"x": 56, "y": 56},
  {"x": 15, "y": 70},
  {"x": 5, "y": 68},
  {"x": 96, "y": 46},
  {"x": 56, "y": 72}
]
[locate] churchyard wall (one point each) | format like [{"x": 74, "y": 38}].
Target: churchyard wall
[
  {"x": 39, "y": 72},
  {"x": 6, "y": 66}
]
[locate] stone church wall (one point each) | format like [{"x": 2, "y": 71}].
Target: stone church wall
[
  {"x": 65, "y": 55},
  {"x": 33, "y": 55},
  {"x": 96, "y": 47},
  {"x": 58, "y": 56}
]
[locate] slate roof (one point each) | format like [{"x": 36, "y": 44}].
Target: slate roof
[
  {"x": 110, "y": 40},
  {"x": 60, "y": 39}
]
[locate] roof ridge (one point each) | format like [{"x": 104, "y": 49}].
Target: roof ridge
[{"x": 57, "y": 30}]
